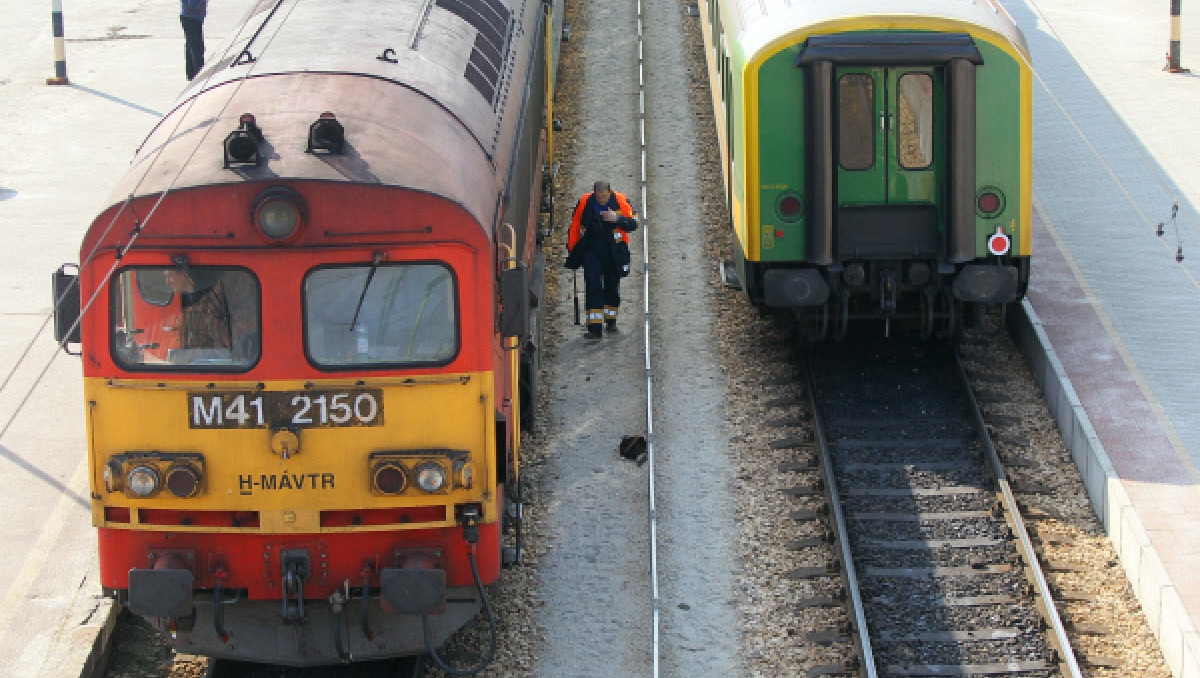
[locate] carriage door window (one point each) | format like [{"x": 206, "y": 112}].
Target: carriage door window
[
  {"x": 856, "y": 121},
  {"x": 915, "y": 104},
  {"x": 888, "y": 135}
]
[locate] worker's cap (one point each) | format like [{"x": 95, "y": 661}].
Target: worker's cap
[{"x": 601, "y": 186}]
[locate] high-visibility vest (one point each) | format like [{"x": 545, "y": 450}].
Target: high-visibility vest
[{"x": 576, "y": 231}]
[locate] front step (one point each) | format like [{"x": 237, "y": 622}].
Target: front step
[{"x": 729, "y": 274}]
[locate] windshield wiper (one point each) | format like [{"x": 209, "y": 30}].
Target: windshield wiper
[{"x": 376, "y": 257}]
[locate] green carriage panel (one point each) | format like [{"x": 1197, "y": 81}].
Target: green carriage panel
[
  {"x": 998, "y": 151},
  {"x": 781, "y": 157},
  {"x": 897, "y": 167}
]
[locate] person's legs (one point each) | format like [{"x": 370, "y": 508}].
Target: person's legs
[
  {"x": 193, "y": 45},
  {"x": 593, "y": 282},
  {"x": 612, "y": 298}
]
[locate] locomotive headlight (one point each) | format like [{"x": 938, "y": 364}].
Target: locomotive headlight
[
  {"x": 141, "y": 474},
  {"x": 183, "y": 480},
  {"x": 277, "y": 219},
  {"x": 430, "y": 476},
  {"x": 389, "y": 478},
  {"x": 143, "y": 481},
  {"x": 278, "y": 212}
]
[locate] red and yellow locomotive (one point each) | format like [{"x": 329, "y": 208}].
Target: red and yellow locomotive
[{"x": 309, "y": 330}]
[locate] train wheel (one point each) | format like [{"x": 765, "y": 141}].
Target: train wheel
[
  {"x": 928, "y": 313},
  {"x": 841, "y": 319},
  {"x": 815, "y": 322},
  {"x": 948, "y": 311}
]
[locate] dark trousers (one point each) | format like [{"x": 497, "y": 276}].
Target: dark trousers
[
  {"x": 193, "y": 45},
  {"x": 602, "y": 285}
]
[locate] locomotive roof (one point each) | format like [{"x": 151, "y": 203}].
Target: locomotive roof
[
  {"x": 433, "y": 78},
  {"x": 756, "y": 24}
]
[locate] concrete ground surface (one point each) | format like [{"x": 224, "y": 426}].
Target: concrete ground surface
[
  {"x": 598, "y": 503},
  {"x": 64, "y": 148}
]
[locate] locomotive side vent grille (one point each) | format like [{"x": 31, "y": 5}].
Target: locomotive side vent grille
[{"x": 493, "y": 22}]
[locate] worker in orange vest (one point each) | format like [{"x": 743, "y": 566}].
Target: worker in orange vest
[{"x": 599, "y": 241}]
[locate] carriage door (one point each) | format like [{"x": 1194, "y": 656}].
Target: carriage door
[{"x": 888, "y": 148}]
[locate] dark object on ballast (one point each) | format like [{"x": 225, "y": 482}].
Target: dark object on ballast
[{"x": 633, "y": 448}]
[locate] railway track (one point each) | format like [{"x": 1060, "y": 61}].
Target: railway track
[{"x": 933, "y": 559}]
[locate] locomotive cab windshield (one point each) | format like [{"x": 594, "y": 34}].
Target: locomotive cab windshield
[
  {"x": 393, "y": 314},
  {"x": 174, "y": 318}
]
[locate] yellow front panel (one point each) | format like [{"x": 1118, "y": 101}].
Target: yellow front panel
[{"x": 245, "y": 468}]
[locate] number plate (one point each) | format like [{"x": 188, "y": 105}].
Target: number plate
[{"x": 273, "y": 409}]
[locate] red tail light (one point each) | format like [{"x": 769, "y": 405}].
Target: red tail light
[
  {"x": 789, "y": 206},
  {"x": 989, "y": 202},
  {"x": 389, "y": 478}
]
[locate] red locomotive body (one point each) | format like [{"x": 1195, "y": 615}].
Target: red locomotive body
[{"x": 309, "y": 330}]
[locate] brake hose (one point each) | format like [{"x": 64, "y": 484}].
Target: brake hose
[{"x": 471, "y": 536}]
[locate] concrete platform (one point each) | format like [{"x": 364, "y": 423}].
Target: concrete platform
[
  {"x": 64, "y": 148},
  {"x": 1115, "y": 147}
]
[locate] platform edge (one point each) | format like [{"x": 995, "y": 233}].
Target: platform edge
[{"x": 1164, "y": 610}]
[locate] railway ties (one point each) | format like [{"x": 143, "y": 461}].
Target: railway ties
[{"x": 942, "y": 588}]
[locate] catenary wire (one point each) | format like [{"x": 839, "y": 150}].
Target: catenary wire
[
  {"x": 139, "y": 228},
  {"x": 104, "y": 235}
]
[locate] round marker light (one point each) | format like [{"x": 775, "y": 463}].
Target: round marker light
[
  {"x": 999, "y": 243},
  {"x": 390, "y": 479},
  {"x": 430, "y": 476},
  {"x": 277, "y": 218},
  {"x": 143, "y": 481},
  {"x": 183, "y": 480},
  {"x": 278, "y": 212},
  {"x": 789, "y": 207},
  {"x": 989, "y": 202}
]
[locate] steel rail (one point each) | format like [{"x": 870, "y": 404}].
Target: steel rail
[
  {"x": 838, "y": 523},
  {"x": 1056, "y": 630},
  {"x": 655, "y": 645}
]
